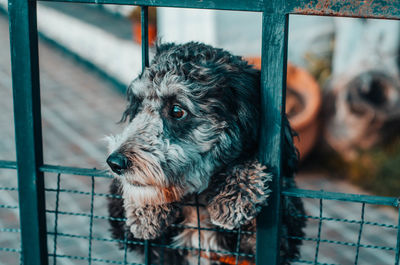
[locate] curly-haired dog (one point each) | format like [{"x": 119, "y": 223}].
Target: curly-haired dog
[{"x": 192, "y": 137}]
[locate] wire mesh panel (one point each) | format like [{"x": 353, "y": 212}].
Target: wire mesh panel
[
  {"x": 10, "y": 248},
  {"x": 78, "y": 221},
  {"x": 71, "y": 227},
  {"x": 78, "y": 225},
  {"x": 339, "y": 231},
  {"x": 342, "y": 231}
]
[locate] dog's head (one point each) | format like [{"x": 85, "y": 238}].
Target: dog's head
[{"x": 192, "y": 112}]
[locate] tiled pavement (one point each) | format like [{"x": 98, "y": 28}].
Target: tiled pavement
[{"x": 78, "y": 109}]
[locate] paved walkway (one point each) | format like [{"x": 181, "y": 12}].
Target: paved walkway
[{"x": 78, "y": 109}]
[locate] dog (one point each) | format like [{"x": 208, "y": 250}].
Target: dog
[{"x": 187, "y": 158}]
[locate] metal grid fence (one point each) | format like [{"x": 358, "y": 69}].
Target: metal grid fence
[
  {"x": 60, "y": 216},
  {"x": 40, "y": 241},
  {"x": 329, "y": 240}
]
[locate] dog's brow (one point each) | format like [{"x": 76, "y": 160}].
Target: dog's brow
[
  {"x": 167, "y": 91},
  {"x": 151, "y": 94},
  {"x": 153, "y": 103}
]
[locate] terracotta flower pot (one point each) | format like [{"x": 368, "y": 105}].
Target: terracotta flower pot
[
  {"x": 137, "y": 33},
  {"x": 135, "y": 16},
  {"x": 303, "y": 103}
]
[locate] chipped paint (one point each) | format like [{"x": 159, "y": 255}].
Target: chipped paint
[{"x": 387, "y": 9}]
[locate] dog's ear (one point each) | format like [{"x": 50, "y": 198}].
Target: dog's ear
[
  {"x": 290, "y": 154},
  {"x": 237, "y": 90},
  {"x": 133, "y": 104},
  {"x": 247, "y": 90},
  {"x": 162, "y": 47}
]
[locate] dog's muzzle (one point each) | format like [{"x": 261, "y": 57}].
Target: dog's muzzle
[{"x": 118, "y": 162}]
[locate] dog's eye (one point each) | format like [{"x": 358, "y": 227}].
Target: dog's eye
[{"x": 177, "y": 112}]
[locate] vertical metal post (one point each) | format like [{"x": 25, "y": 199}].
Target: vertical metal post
[
  {"x": 144, "y": 20},
  {"x": 319, "y": 232},
  {"x": 359, "y": 233},
  {"x": 147, "y": 253},
  {"x": 144, "y": 17},
  {"x": 397, "y": 258},
  {"x": 28, "y": 131},
  {"x": 273, "y": 86}
]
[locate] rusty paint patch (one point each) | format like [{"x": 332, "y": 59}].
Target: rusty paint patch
[{"x": 384, "y": 9}]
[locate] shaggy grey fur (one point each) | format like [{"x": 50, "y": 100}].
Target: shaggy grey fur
[
  {"x": 210, "y": 151},
  {"x": 240, "y": 197}
]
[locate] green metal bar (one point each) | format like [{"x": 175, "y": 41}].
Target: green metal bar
[
  {"x": 144, "y": 20},
  {"x": 28, "y": 131},
  {"x": 360, "y": 233},
  {"x": 397, "y": 258},
  {"x": 95, "y": 238},
  {"x": 126, "y": 247},
  {"x": 91, "y": 221},
  {"x": 198, "y": 230},
  {"x": 387, "y": 9},
  {"x": 313, "y": 194},
  {"x": 254, "y": 5},
  {"x": 349, "y": 221},
  {"x": 319, "y": 232},
  {"x": 147, "y": 253},
  {"x": 343, "y": 243},
  {"x": 273, "y": 86},
  {"x": 8, "y": 164},
  {"x": 97, "y": 260},
  {"x": 293, "y": 192},
  {"x": 75, "y": 171},
  {"x": 56, "y": 218},
  {"x": 207, "y": 250},
  {"x": 10, "y": 250}
]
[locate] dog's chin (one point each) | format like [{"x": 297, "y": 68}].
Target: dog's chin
[
  {"x": 137, "y": 184},
  {"x": 140, "y": 194}
]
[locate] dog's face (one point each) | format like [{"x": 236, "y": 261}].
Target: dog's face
[{"x": 193, "y": 111}]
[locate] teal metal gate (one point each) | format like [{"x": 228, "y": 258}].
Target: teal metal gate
[{"x": 26, "y": 91}]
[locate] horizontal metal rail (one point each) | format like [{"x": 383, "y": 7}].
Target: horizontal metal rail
[
  {"x": 302, "y": 193},
  {"x": 107, "y": 261},
  {"x": 75, "y": 171},
  {"x": 8, "y": 164},
  {"x": 369, "y": 199},
  {"x": 313, "y": 194},
  {"x": 239, "y": 5},
  {"x": 385, "y": 9},
  {"x": 343, "y": 243}
]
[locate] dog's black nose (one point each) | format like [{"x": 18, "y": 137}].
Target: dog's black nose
[{"x": 117, "y": 162}]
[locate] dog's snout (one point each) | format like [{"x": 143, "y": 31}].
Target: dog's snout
[{"x": 117, "y": 162}]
